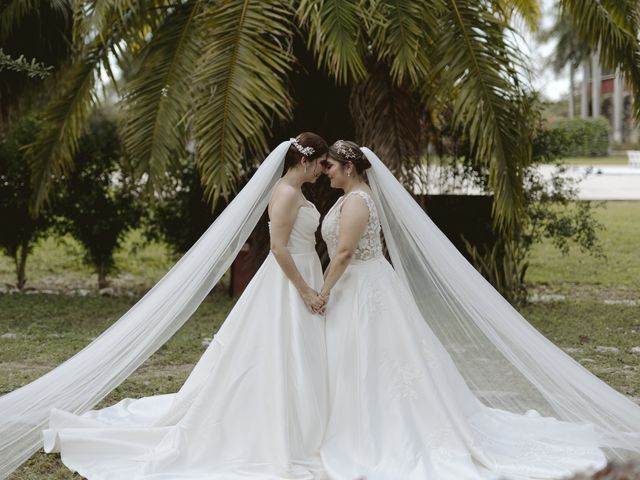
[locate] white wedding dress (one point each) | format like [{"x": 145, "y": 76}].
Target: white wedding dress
[
  {"x": 431, "y": 373},
  {"x": 399, "y": 408},
  {"x": 253, "y": 407}
]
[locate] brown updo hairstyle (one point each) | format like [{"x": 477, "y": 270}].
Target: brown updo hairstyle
[
  {"x": 345, "y": 151},
  {"x": 305, "y": 139}
]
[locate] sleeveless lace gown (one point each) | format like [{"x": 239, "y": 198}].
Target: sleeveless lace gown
[
  {"x": 254, "y": 406},
  {"x": 399, "y": 408}
]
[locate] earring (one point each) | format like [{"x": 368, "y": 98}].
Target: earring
[
  {"x": 305, "y": 168},
  {"x": 348, "y": 174}
]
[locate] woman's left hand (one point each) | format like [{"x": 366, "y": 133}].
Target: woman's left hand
[{"x": 325, "y": 299}]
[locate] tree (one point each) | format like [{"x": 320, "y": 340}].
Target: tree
[
  {"x": 221, "y": 70},
  {"x": 41, "y": 32},
  {"x": 19, "y": 230},
  {"x": 551, "y": 212},
  {"x": 569, "y": 50},
  {"x": 178, "y": 214},
  {"x": 98, "y": 203}
]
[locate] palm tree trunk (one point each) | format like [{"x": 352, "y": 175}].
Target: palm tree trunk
[
  {"x": 618, "y": 106},
  {"x": 596, "y": 84},
  {"x": 572, "y": 87},
  {"x": 584, "y": 100},
  {"x": 20, "y": 259},
  {"x": 102, "y": 277}
]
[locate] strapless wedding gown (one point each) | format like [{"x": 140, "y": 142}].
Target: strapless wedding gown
[
  {"x": 254, "y": 406},
  {"x": 400, "y": 408}
]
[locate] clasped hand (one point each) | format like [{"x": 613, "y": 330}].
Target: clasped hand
[{"x": 315, "y": 302}]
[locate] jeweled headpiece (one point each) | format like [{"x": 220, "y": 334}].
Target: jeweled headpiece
[
  {"x": 306, "y": 151},
  {"x": 345, "y": 150}
]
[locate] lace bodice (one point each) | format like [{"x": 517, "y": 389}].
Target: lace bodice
[{"x": 370, "y": 244}]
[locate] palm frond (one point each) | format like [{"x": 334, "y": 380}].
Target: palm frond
[
  {"x": 335, "y": 36},
  {"x": 387, "y": 118},
  {"x": 613, "y": 27},
  {"x": 52, "y": 153},
  {"x": 402, "y": 37},
  {"x": 239, "y": 85},
  {"x": 13, "y": 11},
  {"x": 158, "y": 96},
  {"x": 66, "y": 115},
  {"x": 481, "y": 68},
  {"x": 528, "y": 10}
]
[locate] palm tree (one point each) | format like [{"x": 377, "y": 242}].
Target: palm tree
[
  {"x": 569, "y": 50},
  {"x": 42, "y": 34},
  {"x": 220, "y": 70}
]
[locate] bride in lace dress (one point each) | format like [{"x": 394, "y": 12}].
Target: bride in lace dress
[
  {"x": 399, "y": 408},
  {"x": 255, "y": 404}
]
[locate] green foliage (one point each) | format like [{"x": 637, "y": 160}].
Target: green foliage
[
  {"x": 32, "y": 69},
  {"x": 220, "y": 72},
  {"x": 217, "y": 74},
  {"x": 19, "y": 230},
  {"x": 580, "y": 137},
  {"x": 179, "y": 214},
  {"x": 550, "y": 212},
  {"x": 41, "y": 32},
  {"x": 504, "y": 266},
  {"x": 98, "y": 204},
  {"x": 613, "y": 26}
]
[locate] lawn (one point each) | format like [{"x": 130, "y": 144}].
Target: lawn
[
  {"x": 46, "y": 328},
  {"x": 56, "y": 264},
  {"x": 580, "y": 275},
  {"x": 49, "y": 328}
]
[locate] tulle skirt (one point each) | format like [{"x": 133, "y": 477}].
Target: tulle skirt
[
  {"x": 401, "y": 410},
  {"x": 255, "y": 405}
]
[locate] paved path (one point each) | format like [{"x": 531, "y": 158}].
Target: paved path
[
  {"x": 604, "y": 182},
  {"x": 598, "y": 182}
]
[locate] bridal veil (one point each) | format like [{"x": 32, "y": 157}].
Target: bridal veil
[
  {"x": 84, "y": 379},
  {"x": 505, "y": 361}
]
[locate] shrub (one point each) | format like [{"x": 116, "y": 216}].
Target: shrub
[
  {"x": 19, "y": 229},
  {"x": 99, "y": 204},
  {"x": 580, "y": 137}
]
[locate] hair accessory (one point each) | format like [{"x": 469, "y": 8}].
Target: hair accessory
[
  {"x": 346, "y": 151},
  {"x": 306, "y": 151}
]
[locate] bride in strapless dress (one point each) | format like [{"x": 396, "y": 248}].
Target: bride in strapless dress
[{"x": 254, "y": 406}]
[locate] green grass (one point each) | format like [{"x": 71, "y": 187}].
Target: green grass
[
  {"x": 580, "y": 274},
  {"x": 56, "y": 263},
  {"x": 50, "y": 328}
]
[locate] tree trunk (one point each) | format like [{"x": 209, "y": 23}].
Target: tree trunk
[
  {"x": 20, "y": 259},
  {"x": 102, "y": 277},
  {"x": 596, "y": 85},
  {"x": 618, "y": 107},
  {"x": 584, "y": 104},
  {"x": 572, "y": 89}
]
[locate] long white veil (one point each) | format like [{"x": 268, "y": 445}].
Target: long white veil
[
  {"x": 87, "y": 377},
  {"x": 506, "y": 362}
]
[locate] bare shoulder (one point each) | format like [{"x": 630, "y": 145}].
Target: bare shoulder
[
  {"x": 285, "y": 196},
  {"x": 284, "y": 193},
  {"x": 285, "y": 200},
  {"x": 355, "y": 208}
]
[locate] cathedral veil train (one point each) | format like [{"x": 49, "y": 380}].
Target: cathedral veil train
[{"x": 515, "y": 404}]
